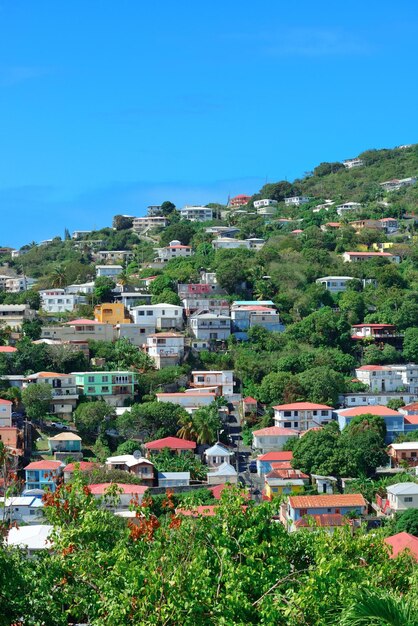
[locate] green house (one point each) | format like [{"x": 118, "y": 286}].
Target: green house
[{"x": 114, "y": 387}]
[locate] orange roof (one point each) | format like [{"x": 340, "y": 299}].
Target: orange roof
[
  {"x": 43, "y": 465},
  {"x": 275, "y": 431},
  {"x": 48, "y": 375},
  {"x": 99, "y": 489},
  {"x": 250, "y": 400},
  {"x": 165, "y": 335},
  {"x": 184, "y": 394},
  {"x": 370, "y": 409},
  {"x": 370, "y": 253},
  {"x": 326, "y": 519},
  {"x": 302, "y": 406},
  {"x": 82, "y": 322},
  {"x": 205, "y": 510},
  {"x": 281, "y": 465},
  {"x": 174, "y": 443},
  {"x": 413, "y": 406},
  {"x": 5, "y": 402},
  {"x": 402, "y": 541},
  {"x": 327, "y": 501},
  {"x": 286, "y": 473},
  {"x": 7, "y": 349},
  {"x": 284, "y": 455},
  {"x": 372, "y": 368},
  {"x": 410, "y": 419}
]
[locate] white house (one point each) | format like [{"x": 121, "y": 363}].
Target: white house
[
  {"x": 224, "y": 473},
  {"x": 272, "y": 438},
  {"x": 296, "y": 200},
  {"x": 217, "y": 454},
  {"x": 165, "y": 348},
  {"x": 113, "y": 255},
  {"x": 206, "y": 325},
  {"x": 64, "y": 391},
  {"x": 402, "y": 496},
  {"x": 21, "y": 283},
  {"x": 137, "y": 334},
  {"x": 31, "y": 538},
  {"x": 347, "y": 206},
  {"x": 335, "y": 284},
  {"x": 143, "y": 224},
  {"x": 389, "y": 378},
  {"x": 190, "y": 401},
  {"x": 58, "y": 300},
  {"x": 26, "y": 509},
  {"x": 229, "y": 243},
  {"x": 397, "y": 183},
  {"x": 265, "y": 202},
  {"x": 302, "y": 415},
  {"x": 222, "y": 379},
  {"x": 197, "y": 213},
  {"x": 79, "y": 234},
  {"x": 14, "y": 315},
  {"x": 161, "y": 316},
  {"x": 350, "y": 163},
  {"x": 174, "y": 250},
  {"x": 356, "y": 257},
  {"x": 85, "y": 288},
  {"x": 173, "y": 479},
  {"x": 111, "y": 271},
  {"x": 79, "y": 331}
]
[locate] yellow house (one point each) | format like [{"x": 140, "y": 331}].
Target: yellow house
[
  {"x": 382, "y": 247},
  {"x": 280, "y": 482},
  {"x": 111, "y": 313}
]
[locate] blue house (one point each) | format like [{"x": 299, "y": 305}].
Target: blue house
[
  {"x": 247, "y": 314},
  {"x": 393, "y": 419},
  {"x": 298, "y": 507},
  {"x": 265, "y": 461},
  {"x": 43, "y": 474}
]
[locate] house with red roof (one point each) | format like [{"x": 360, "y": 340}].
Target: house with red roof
[
  {"x": 298, "y": 507},
  {"x": 249, "y": 405},
  {"x": 273, "y": 460},
  {"x": 81, "y": 466},
  {"x": 328, "y": 521},
  {"x": 302, "y": 415},
  {"x": 239, "y": 200},
  {"x": 272, "y": 438},
  {"x": 284, "y": 481},
  {"x": 379, "y": 332},
  {"x": 402, "y": 542},
  {"x": 358, "y": 257},
  {"x": 173, "y": 444},
  {"x": 43, "y": 474},
  {"x": 393, "y": 419},
  {"x": 5, "y": 412},
  {"x": 118, "y": 496},
  {"x": 174, "y": 250}
]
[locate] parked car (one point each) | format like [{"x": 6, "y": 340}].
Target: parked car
[
  {"x": 252, "y": 466},
  {"x": 59, "y": 425}
]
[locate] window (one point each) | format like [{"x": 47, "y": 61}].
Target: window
[
  {"x": 324, "y": 413},
  {"x": 408, "y": 499},
  {"x": 141, "y": 312},
  {"x": 303, "y": 512},
  {"x": 413, "y": 455},
  {"x": 90, "y": 389},
  {"x": 200, "y": 379},
  {"x": 295, "y": 424},
  {"x": 90, "y": 379},
  {"x": 105, "y": 379},
  {"x": 287, "y": 425},
  {"x": 287, "y": 413},
  {"x": 149, "y": 313},
  {"x": 105, "y": 389}
]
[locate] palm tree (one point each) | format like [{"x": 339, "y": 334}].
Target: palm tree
[
  {"x": 123, "y": 279},
  {"x": 58, "y": 277},
  {"x": 380, "y": 609},
  {"x": 187, "y": 429},
  {"x": 206, "y": 423}
]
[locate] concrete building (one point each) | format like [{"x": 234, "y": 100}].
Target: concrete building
[
  {"x": 405, "y": 452},
  {"x": 165, "y": 349},
  {"x": 347, "y": 207},
  {"x": 114, "y": 387},
  {"x": 356, "y": 257},
  {"x": 79, "y": 330},
  {"x": 397, "y": 183},
  {"x": 137, "y": 334},
  {"x": 160, "y": 316},
  {"x": 229, "y": 243},
  {"x": 209, "y": 326},
  {"x": 21, "y": 283},
  {"x": 389, "y": 378},
  {"x": 393, "y": 419},
  {"x": 272, "y": 438},
  {"x": 58, "y": 300},
  {"x": 110, "y": 271},
  {"x": 350, "y": 163},
  {"x": 296, "y": 200},
  {"x": 302, "y": 415},
  {"x": 5, "y": 413},
  {"x": 335, "y": 284},
  {"x": 197, "y": 213},
  {"x": 141, "y": 225},
  {"x": 83, "y": 288},
  {"x": 64, "y": 391},
  {"x": 222, "y": 381},
  {"x": 246, "y": 316},
  {"x": 298, "y": 507},
  {"x": 191, "y": 400},
  {"x": 239, "y": 200},
  {"x": 13, "y": 315},
  {"x": 113, "y": 256},
  {"x": 174, "y": 250},
  {"x": 111, "y": 313}
]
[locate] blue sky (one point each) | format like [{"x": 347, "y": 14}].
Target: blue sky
[{"x": 109, "y": 106}]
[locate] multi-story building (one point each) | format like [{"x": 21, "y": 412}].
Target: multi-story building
[
  {"x": 393, "y": 419},
  {"x": 160, "y": 316},
  {"x": 114, "y": 387},
  {"x": 79, "y": 330},
  {"x": 265, "y": 202},
  {"x": 356, "y": 257},
  {"x": 114, "y": 256},
  {"x": 222, "y": 381},
  {"x": 405, "y": 452},
  {"x": 58, "y": 300},
  {"x": 239, "y": 200},
  {"x": 79, "y": 234},
  {"x": 281, "y": 482},
  {"x": 229, "y": 243},
  {"x": 347, "y": 207},
  {"x": 197, "y": 213},
  {"x": 378, "y": 332},
  {"x": 143, "y": 224},
  {"x": 5, "y": 413},
  {"x": 296, "y": 200},
  {"x": 43, "y": 475},
  {"x": 389, "y": 224},
  {"x": 130, "y": 299},
  {"x": 350, "y": 163},
  {"x": 272, "y": 438},
  {"x": 383, "y": 378},
  {"x": 225, "y": 231},
  {"x": 190, "y": 400},
  {"x": 302, "y": 415},
  {"x": 397, "y": 183},
  {"x": 13, "y": 315},
  {"x": 65, "y": 444},
  {"x": 247, "y": 316},
  {"x": 21, "y": 283},
  {"x": 110, "y": 271},
  {"x": 64, "y": 391},
  {"x": 137, "y": 334},
  {"x": 165, "y": 348},
  {"x": 174, "y": 250},
  {"x": 140, "y": 467},
  {"x": 111, "y": 313},
  {"x": 85, "y": 288},
  {"x": 205, "y": 325},
  {"x": 194, "y": 302}
]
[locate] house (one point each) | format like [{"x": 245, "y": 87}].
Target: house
[
  {"x": 272, "y": 438},
  {"x": 110, "y": 271},
  {"x": 174, "y": 444},
  {"x": 356, "y": 257},
  {"x": 58, "y": 300},
  {"x": 409, "y": 409},
  {"x": 173, "y": 479},
  {"x": 229, "y": 243},
  {"x": 324, "y": 484},
  {"x": 245, "y": 317},
  {"x": 279, "y": 482},
  {"x": 79, "y": 330},
  {"x": 389, "y": 224},
  {"x": 265, "y": 203},
  {"x": 160, "y": 316},
  {"x": 125, "y": 494},
  {"x": 5, "y": 412},
  {"x": 174, "y": 250},
  {"x": 115, "y": 387},
  {"x": 80, "y": 466},
  {"x": 367, "y": 398},
  {"x": 64, "y": 391},
  {"x": 249, "y": 405},
  {"x": 165, "y": 348},
  {"x": 273, "y": 460},
  {"x": 217, "y": 454},
  {"x": 137, "y": 334},
  {"x": 350, "y": 163},
  {"x": 402, "y": 542},
  {"x": 111, "y": 313},
  {"x": 130, "y": 299},
  {"x": 21, "y": 283},
  {"x": 79, "y": 234},
  {"x": 395, "y": 184},
  {"x": 202, "y": 302},
  {"x": 226, "y": 231},
  {"x": 222, "y": 379},
  {"x": 239, "y": 200},
  {"x": 142, "y": 468},
  {"x": 335, "y": 284},
  {"x": 22, "y": 509},
  {"x": 358, "y": 225},
  {"x": 379, "y": 332},
  {"x": 190, "y": 401},
  {"x": 297, "y": 507},
  {"x": 224, "y": 473},
  {"x": 67, "y": 442},
  {"x": 347, "y": 206},
  {"x": 141, "y": 225},
  {"x": 389, "y": 378},
  {"x": 296, "y": 200},
  {"x": 13, "y": 315},
  {"x": 14, "y": 440},
  {"x": 85, "y": 288},
  {"x": 30, "y": 538},
  {"x": 106, "y": 256},
  {"x": 154, "y": 209},
  {"x": 400, "y": 497},
  {"x": 42, "y": 474},
  {"x": 209, "y": 326},
  {"x": 330, "y": 226},
  {"x": 405, "y": 452},
  {"x": 197, "y": 213},
  {"x": 393, "y": 419},
  {"x": 302, "y": 415}
]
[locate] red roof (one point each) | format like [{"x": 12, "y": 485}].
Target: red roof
[
  {"x": 333, "y": 224},
  {"x": 373, "y": 326},
  {"x": 205, "y": 510},
  {"x": 255, "y": 307},
  {"x": 174, "y": 443},
  {"x": 410, "y": 407},
  {"x": 410, "y": 419},
  {"x": 178, "y": 245},
  {"x": 250, "y": 400},
  {"x": 82, "y": 322},
  {"x": 7, "y": 349},
  {"x": 217, "y": 490},
  {"x": 241, "y": 195},
  {"x": 370, "y": 409},
  {"x": 275, "y": 431},
  {"x": 43, "y": 465},
  {"x": 297, "y": 231},
  {"x": 327, "y": 501},
  {"x": 372, "y": 368},
  {"x": 284, "y": 455},
  {"x": 99, "y": 489},
  {"x": 83, "y": 466},
  {"x": 327, "y": 519},
  {"x": 5, "y": 402},
  {"x": 401, "y": 542},
  {"x": 286, "y": 473},
  {"x": 302, "y": 406},
  {"x": 282, "y": 465}
]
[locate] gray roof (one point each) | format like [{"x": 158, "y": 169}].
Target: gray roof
[{"x": 403, "y": 489}]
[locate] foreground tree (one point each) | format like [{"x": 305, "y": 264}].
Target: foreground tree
[{"x": 37, "y": 398}]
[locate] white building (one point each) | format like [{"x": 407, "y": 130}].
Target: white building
[
  {"x": 350, "y": 163},
  {"x": 217, "y": 455},
  {"x": 22, "y": 509},
  {"x": 229, "y": 243},
  {"x": 64, "y": 391},
  {"x": 335, "y": 284},
  {"x": 389, "y": 378},
  {"x": 348, "y": 206},
  {"x": 113, "y": 255},
  {"x": 302, "y": 415},
  {"x": 31, "y": 538},
  {"x": 143, "y": 224},
  {"x": 137, "y": 334},
  {"x": 160, "y": 316},
  {"x": 397, "y": 183},
  {"x": 210, "y": 326},
  {"x": 174, "y": 250},
  {"x": 356, "y": 257},
  {"x": 402, "y": 496},
  {"x": 296, "y": 200},
  {"x": 57, "y": 300},
  {"x": 272, "y": 438},
  {"x": 224, "y": 473},
  {"x": 84, "y": 288},
  {"x": 165, "y": 348},
  {"x": 14, "y": 315},
  {"x": 22, "y": 283},
  {"x": 79, "y": 234},
  {"x": 191, "y": 400},
  {"x": 197, "y": 213},
  {"x": 265, "y": 202},
  {"x": 222, "y": 380},
  {"x": 111, "y": 271}
]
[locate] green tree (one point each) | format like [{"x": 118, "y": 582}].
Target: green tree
[
  {"x": 32, "y": 329},
  {"x": 151, "y": 420},
  {"x": 167, "y": 296},
  {"x": 322, "y": 385},
  {"x": 92, "y": 418},
  {"x": 37, "y": 398},
  {"x": 382, "y": 609},
  {"x": 103, "y": 287},
  {"x": 182, "y": 231},
  {"x": 410, "y": 344},
  {"x": 407, "y": 522},
  {"x": 122, "y": 222}
]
